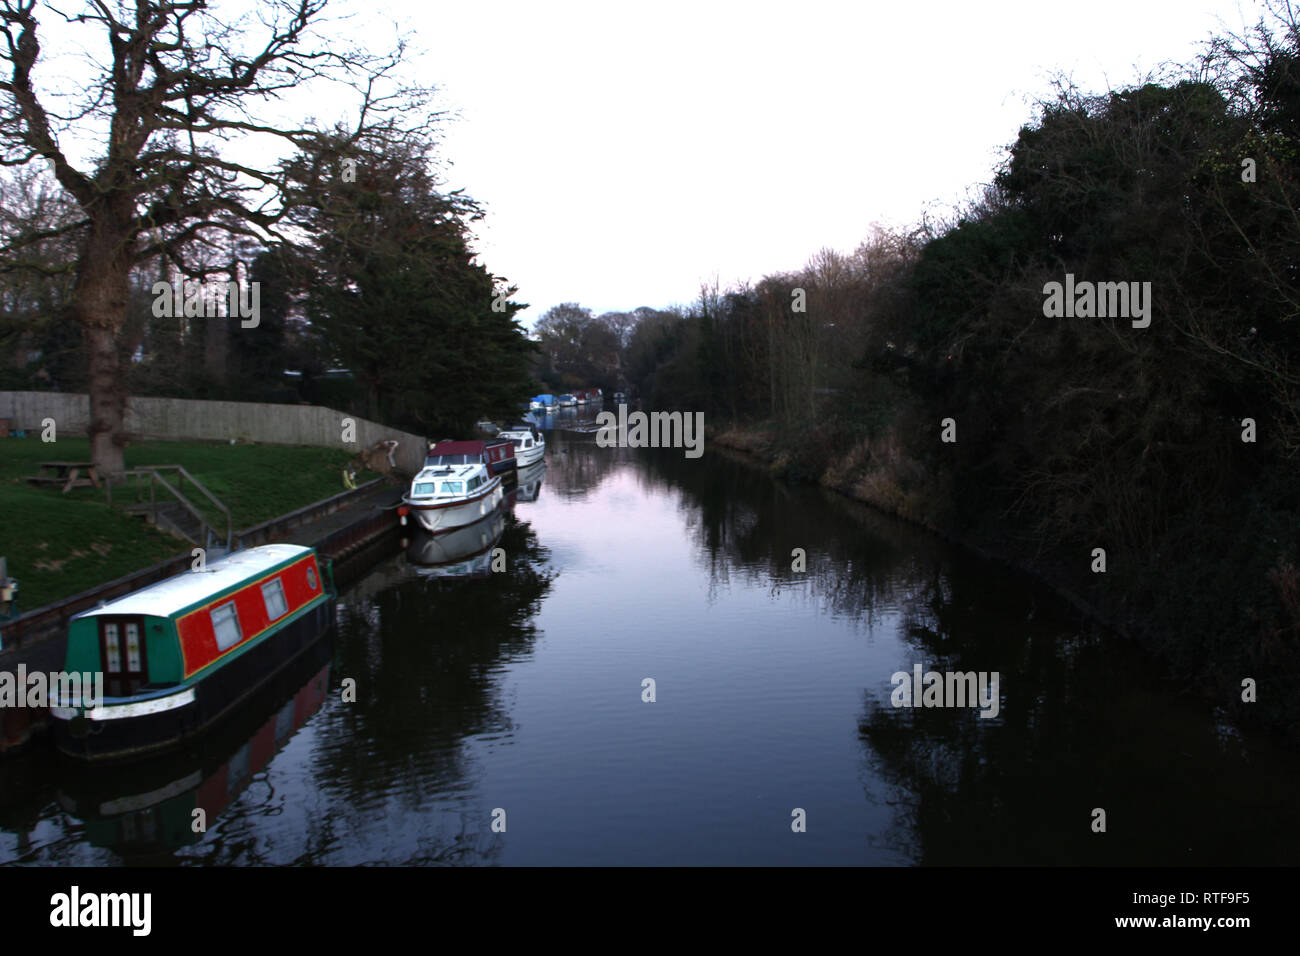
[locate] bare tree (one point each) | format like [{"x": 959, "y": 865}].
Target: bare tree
[{"x": 176, "y": 84}]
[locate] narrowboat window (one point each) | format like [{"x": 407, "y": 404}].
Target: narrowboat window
[
  {"x": 112, "y": 650},
  {"x": 225, "y": 625},
  {"x": 311, "y": 577},
  {"x": 273, "y": 595},
  {"x": 452, "y": 487},
  {"x": 133, "y": 648}
]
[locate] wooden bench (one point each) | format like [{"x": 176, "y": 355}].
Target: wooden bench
[{"x": 67, "y": 474}]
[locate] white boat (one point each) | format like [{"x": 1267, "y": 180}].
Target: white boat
[
  {"x": 443, "y": 497},
  {"x": 530, "y": 444}
]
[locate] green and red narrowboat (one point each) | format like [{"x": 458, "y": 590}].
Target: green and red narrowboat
[{"x": 182, "y": 653}]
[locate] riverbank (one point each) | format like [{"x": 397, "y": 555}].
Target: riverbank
[
  {"x": 58, "y": 545},
  {"x": 879, "y": 486},
  {"x": 877, "y": 472},
  {"x": 350, "y": 529}
]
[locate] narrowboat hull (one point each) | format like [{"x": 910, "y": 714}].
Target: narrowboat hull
[{"x": 136, "y": 727}]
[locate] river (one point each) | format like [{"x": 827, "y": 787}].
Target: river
[{"x": 461, "y": 715}]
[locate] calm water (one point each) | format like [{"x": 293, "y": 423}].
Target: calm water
[{"x": 522, "y": 691}]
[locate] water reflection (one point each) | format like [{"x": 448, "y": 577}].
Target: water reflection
[
  {"x": 1084, "y": 722},
  {"x": 464, "y": 552},
  {"x": 772, "y": 619},
  {"x": 528, "y": 483},
  {"x": 147, "y": 809}
]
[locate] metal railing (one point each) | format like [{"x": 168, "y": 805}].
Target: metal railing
[{"x": 150, "y": 473}]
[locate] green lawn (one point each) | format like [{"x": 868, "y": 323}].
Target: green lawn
[{"x": 58, "y": 545}]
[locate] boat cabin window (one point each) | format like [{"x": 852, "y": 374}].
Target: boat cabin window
[
  {"x": 453, "y": 487},
  {"x": 273, "y": 595},
  {"x": 122, "y": 651},
  {"x": 225, "y": 625},
  {"x": 426, "y": 487},
  {"x": 435, "y": 460}
]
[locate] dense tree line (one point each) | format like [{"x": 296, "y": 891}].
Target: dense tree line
[{"x": 1173, "y": 446}]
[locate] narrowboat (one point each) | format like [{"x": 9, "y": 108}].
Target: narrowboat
[
  {"x": 529, "y": 444},
  {"x": 496, "y": 454},
  {"x": 451, "y": 495},
  {"x": 182, "y": 653}
]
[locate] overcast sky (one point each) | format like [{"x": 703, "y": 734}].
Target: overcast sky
[{"x": 627, "y": 152}]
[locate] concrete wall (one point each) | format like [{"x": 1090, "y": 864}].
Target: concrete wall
[{"x": 178, "y": 419}]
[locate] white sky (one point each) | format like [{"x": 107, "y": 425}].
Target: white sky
[{"x": 627, "y": 152}]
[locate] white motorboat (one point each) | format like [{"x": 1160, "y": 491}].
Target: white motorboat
[
  {"x": 443, "y": 497},
  {"x": 530, "y": 444}
]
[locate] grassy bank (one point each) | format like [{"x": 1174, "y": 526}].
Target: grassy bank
[{"x": 58, "y": 545}]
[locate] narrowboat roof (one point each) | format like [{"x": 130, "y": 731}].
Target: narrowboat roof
[{"x": 191, "y": 587}]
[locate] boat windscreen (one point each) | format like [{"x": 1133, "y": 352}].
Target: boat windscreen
[{"x": 453, "y": 487}]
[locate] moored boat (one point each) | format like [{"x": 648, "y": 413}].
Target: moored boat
[
  {"x": 530, "y": 445},
  {"x": 450, "y": 495},
  {"x": 180, "y": 654},
  {"x": 496, "y": 454}
]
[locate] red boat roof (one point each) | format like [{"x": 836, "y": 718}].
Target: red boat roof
[{"x": 458, "y": 448}]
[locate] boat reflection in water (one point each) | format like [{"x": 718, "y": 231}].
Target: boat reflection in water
[
  {"x": 529, "y": 482},
  {"x": 463, "y": 553},
  {"x": 149, "y": 807}
]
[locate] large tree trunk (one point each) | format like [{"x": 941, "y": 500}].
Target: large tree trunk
[
  {"x": 107, "y": 402},
  {"x": 99, "y": 306}
]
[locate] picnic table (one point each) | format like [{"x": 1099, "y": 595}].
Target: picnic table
[{"x": 68, "y": 474}]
